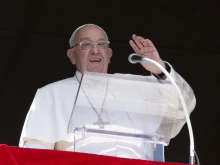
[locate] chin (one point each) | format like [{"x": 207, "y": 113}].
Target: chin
[{"x": 97, "y": 70}]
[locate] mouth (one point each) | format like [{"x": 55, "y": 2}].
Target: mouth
[
  {"x": 95, "y": 64},
  {"x": 95, "y": 60}
]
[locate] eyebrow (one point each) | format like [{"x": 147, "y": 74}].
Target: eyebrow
[{"x": 87, "y": 38}]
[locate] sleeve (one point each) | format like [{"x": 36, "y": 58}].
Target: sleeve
[
  {"x": 190, "y": 101},
  {"x": 37, "y": 144},
  {"x": 38, "y": 127}
]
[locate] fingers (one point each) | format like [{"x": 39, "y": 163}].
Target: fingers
[
  {"x": 138, "y": 40},
  {"x": 141, "y": 42},
  {"x": 134, "y": 46},
  {"x": 141, "y": 45}
]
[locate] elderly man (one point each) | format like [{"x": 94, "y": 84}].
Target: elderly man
[{"x": 47, "y": 121}]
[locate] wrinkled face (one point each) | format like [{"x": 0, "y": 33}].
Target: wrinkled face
[{"x": 94, "y": 59}]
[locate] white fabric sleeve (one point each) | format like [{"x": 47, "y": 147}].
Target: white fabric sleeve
[
  {"x": 32, "y": 144},
  {"x": 190, "y": 101},
  {"x": 48, "y": 117}
]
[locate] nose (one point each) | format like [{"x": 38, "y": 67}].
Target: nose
[{"x": 94, "y": 49}]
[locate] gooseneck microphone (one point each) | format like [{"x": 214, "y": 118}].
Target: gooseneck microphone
[{"x": 134, "y": 58}]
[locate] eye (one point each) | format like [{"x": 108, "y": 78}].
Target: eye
[
  {"x": 101, "y": 44},
  {"x": 86, "y": 44}
]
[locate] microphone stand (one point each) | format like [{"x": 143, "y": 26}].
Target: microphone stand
[{"x": 189, "y": 125}]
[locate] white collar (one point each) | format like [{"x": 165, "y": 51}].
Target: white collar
[{"x": 78, "y": 75}]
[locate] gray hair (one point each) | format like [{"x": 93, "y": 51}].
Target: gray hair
[{"x": 72, "y": 38}]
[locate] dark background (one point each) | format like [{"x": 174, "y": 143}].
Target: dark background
[{"x": 34, "y": 38}]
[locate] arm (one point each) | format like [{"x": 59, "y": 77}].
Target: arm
[
  {"x": 37, "y": 124},
  {"x": 146, "y": 48}
]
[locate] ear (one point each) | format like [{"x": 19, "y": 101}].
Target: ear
[
  {"x": 109, "y": 54},
  {"x": 71, "y": 56}
]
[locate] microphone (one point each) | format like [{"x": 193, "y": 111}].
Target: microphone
[{"x": 133, "y": 58}]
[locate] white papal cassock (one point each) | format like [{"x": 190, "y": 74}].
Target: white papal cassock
[{"x": 48, "y": 118}]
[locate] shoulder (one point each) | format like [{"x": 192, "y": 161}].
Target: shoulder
[{"x": 67, "y": 83}]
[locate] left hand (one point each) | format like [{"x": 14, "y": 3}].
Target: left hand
[{"x": 144, "y": 47}]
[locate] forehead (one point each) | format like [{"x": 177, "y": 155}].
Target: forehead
[{"x": 92, "y": 33}]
